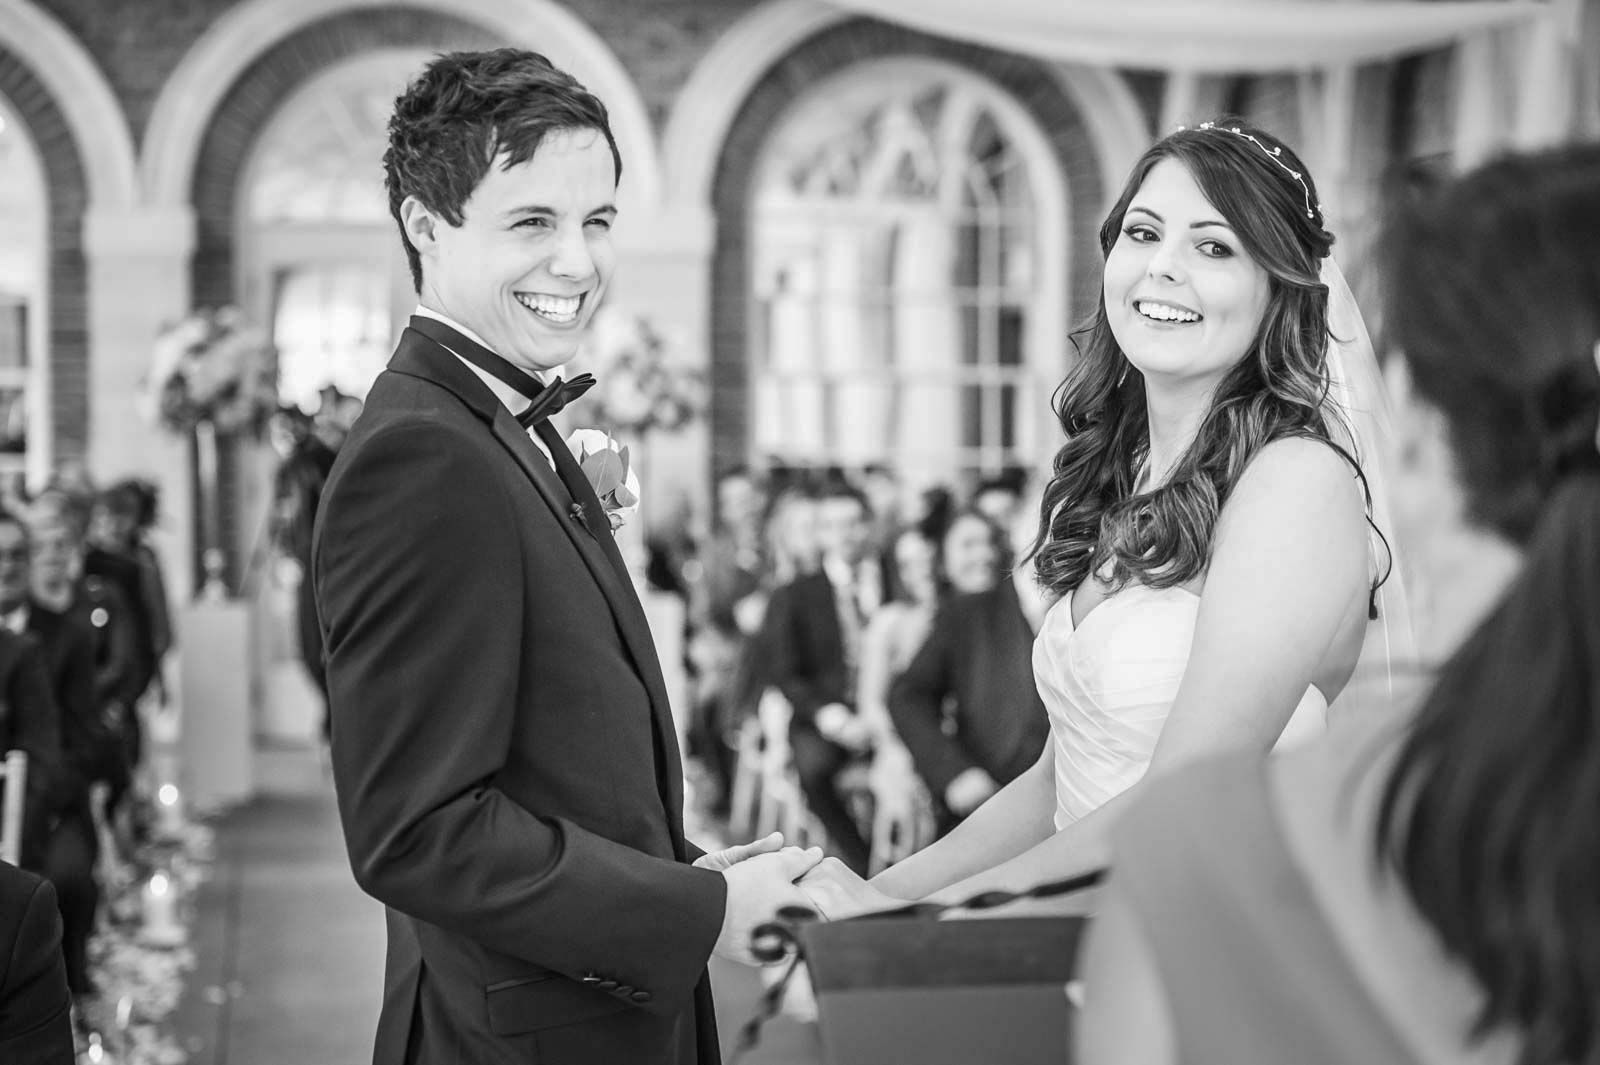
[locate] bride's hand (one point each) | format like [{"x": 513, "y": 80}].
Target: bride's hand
[{"x": 838, "y": 893}]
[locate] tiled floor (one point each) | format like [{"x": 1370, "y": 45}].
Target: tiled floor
[{"x": 291, "y": 952}]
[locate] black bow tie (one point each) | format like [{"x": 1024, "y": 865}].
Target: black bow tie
[{"x": 545, "y": 400}]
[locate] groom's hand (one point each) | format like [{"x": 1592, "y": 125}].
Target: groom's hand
[
  {"x": 757, "y": 888},
  {"x": 728, "y": 858}
]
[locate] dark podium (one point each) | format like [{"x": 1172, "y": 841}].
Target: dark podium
[{"x": 898, "y": 991}]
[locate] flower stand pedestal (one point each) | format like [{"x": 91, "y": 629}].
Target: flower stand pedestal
[{"x": 215, "y": 735}]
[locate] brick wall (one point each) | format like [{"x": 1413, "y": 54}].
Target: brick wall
[
  {"x": 68, "y": 276},
  {"x": 138, "y": 42},
  {"x": 833, "y": 50}
]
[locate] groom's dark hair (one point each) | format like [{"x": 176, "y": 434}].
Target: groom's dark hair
[{"x": 465, "y": 110}]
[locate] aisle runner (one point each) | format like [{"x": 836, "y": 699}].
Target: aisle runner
[{"x": 140, "y": 957}]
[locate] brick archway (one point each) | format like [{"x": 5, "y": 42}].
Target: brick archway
[
  {"x": 829, "y": 52},
  {"x": 67, "y": 196},
  {"x": 244, "y": 112}
]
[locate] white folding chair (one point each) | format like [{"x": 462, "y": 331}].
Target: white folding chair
[{"x": 14, "y": 778}]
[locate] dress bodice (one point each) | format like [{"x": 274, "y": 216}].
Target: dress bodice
[{"x": 1108, "y": 684}]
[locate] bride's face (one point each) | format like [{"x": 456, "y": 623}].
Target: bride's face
[{"x": 1182, "y": 296}]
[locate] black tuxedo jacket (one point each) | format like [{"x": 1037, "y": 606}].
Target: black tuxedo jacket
[
  {"x": 35, "y": 1005},
  {"x": 979, "y": 654},
  {"x": 805, "y": 646},
  {"x": 505, "y": 759}
]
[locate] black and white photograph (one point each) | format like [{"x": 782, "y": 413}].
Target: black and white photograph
[{"x": 799, "y": 532}]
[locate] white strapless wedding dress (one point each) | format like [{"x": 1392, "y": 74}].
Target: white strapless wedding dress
[{"x": 1108, "y": 683}]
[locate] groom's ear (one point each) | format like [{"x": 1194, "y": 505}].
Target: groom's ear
[{"x": 420, "y": 224}]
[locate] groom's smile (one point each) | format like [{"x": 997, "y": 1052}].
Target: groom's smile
[
  {"x": 529, "y": 263},
  {"x": 558, "y": 310}
]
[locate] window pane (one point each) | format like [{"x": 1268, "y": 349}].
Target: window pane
[
  {"x": 323, "y": 166},
  {"x": 13, "y": 332},
  {"x": 13, "y": 420},
  {"x": 893, "y": 260},
  {"x": 331, "y": 327}
]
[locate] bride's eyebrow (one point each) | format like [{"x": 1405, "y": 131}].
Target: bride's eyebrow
[{"x": 1192, "y": 225}]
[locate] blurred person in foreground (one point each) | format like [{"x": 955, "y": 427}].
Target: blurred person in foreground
[
  {"x": 35, "y": 1004},
  {"x": 1421, "y": 886}
]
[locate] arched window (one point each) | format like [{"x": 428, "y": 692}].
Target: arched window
[
  {"x": 322, "y": 261},
  {"x": 24, "y": 316},
  {"x": 907, "y": 236}
]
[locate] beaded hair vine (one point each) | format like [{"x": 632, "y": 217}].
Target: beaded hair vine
[{"x": 1273, "y": 154}]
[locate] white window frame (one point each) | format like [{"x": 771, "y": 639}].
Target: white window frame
[
  {"x": 37, "y": 460},
  {"x": 1044, "y": 342}
]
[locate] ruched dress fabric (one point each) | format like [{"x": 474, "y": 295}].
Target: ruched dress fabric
[{"x": 1108, "y": 684}]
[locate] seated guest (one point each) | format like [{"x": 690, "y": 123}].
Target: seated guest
[
  {"x": 304, "y": 462},
  {"x": 897, "y": 629},
  {"x": 72, "y": 845},
  {"x": 966, "y": 706},
  {"x": 35, "y": 1005},
  {"x": 114, "y": 556},
  {"x": 56, "y": 528},
  {"x": 1420, "y": 886},
  {"x": 29, "y": 723},
  {"x": 813, "y": 640},
  {"x": 732, "y": 567},
  {"x": 891, "y": 638},
  {"x": 999, "y": 499}
]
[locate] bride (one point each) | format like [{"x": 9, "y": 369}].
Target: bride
[{"x": 1207, "y": 536}]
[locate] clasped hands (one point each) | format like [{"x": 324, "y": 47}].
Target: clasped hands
[{"x": 765, "y": 876}]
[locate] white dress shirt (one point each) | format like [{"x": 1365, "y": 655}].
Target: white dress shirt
[{"x": 514, "y": 401}]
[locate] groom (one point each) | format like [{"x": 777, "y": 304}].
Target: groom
[{"x": 506, "y": 765}]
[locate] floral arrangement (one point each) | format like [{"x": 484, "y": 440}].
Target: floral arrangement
[
  {"x": 644, "y": 384},
  {"x": 212, "y": 368}
]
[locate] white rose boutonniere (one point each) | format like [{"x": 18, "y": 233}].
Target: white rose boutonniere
[{"x": 605, "y": 463}]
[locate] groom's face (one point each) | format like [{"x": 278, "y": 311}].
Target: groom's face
[{"x": 529, "y": 263}]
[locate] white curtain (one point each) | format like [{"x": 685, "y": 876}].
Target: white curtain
[{"x": 1238, "y": 36}]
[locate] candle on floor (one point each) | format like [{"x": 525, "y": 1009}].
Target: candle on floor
[
  {"x": 169, "y": 810},
  {"x": 161, "y": 924}
]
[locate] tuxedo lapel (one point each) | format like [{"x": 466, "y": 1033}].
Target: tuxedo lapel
[
  {"x": 625, "y": 604},
  {"x": 589, "y": 532}
]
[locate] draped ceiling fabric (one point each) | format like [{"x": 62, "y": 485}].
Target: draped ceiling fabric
[{"x": 1205, "y": 36}]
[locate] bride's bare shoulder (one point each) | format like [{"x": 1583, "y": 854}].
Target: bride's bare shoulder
[
  {"x": 1297, "y": 499},
  {"x": 1300, "y": 475}
]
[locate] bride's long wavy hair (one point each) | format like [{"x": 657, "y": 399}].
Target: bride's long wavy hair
[{"x": 1091, "y": 519}]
